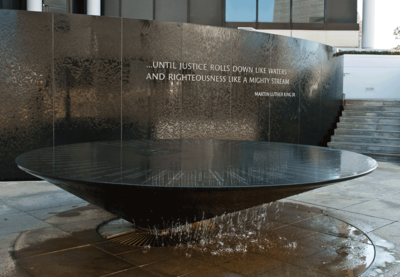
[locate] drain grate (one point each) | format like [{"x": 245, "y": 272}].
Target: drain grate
[{"x": 141, "y": 237}]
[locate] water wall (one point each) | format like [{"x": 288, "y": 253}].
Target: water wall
[{"x": 69, "y": 78}]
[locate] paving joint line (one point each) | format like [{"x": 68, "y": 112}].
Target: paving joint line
[
  {"x": 58, "y": 251},
  {"x": 116, "y": 272}
]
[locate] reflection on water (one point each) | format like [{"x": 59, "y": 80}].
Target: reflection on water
[
  {"x": 292, "y": 234},
  {"x": 196, "y": 163}
]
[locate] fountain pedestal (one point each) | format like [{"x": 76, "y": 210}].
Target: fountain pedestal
[{"x": 162, "y": 184}]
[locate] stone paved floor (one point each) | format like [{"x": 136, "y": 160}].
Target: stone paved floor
[{"x": 371, "y": 203}]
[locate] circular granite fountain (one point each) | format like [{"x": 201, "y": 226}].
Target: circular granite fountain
[{"x": 166, "y": 183}]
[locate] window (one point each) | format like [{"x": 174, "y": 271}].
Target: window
[
  {"x": 308, "y": 11},
  {"x": 141, "y": 9},
  {"x": 274, "y": 10},
  {"x": 241, "y": 10},
  {"x": 206, "y": 12},
  {"x": 171, "y": 10}
]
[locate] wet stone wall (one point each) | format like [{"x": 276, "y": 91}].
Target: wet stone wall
[{"x": 78, "y": 78}]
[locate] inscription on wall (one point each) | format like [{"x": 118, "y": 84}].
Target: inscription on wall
[{"x": 183, "y": 71}]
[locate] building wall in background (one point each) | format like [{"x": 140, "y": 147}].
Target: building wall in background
[
  {"x": 13, "y": 4},
  {"x": 371, "y": 77},
  {"x": 272, "y": 14},
  {"x": 139, "y": 9},
  {"x": 206, "y": 12},
  {"x": 171, "y": 10},
  {"x": 341, "y": 11},
  {"x": 110, "y": 8},
  {"x": 340, "y": 39}
]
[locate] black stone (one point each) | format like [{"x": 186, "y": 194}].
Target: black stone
[
  {"x": 159, "y": 183},
  {"x": 69, "y": 78}
]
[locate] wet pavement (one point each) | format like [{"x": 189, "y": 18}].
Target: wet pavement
[{"x": 338, "y": 230}]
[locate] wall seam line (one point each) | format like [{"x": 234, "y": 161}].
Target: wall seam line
[
  {"x": 122, "y": 52},
  {"x": 53, "y": 77},
  {"x": 182, "y": 84},
  {"x": 298, "y": 123}
]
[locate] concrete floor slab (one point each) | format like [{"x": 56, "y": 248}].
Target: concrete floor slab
[
  {"x": 390, "y": 233},
  {"x": 292, "y": 232},
  {"x": 288, "y": 213},
  {"x": 46, "y": 213},
  {"x": 320, "y": 241},
  {"x": 252, "y": 264},
  {"x": 80, "y": 219},
  {"x": 213, "y": 271},
  {"x": 81, "y": 214},
  {"x": 18, "y": 222},
  {"x": 330, "y": 262},
  {"x": 393, "y": 197},
  {"x": 136, "y": 272},
  {"x": 375, "y": 189},
  {"x": 299, "y": 204},
  {"x": 89, "y": 236},
  {"x": 380, "y": 208},
  {"x": 289, "y": 270},
  {"x": 30, "y": 243},
  {"x": 363, "y": 222},
  {"x": 288, "y": 253},
  {"x": 116, "y": 248},
  {"x": 25, "y": 188},
  {"x": 83, "y": 261},
  {"x": 333, "y": 199},
  {"x": 7, "y": 209},
  {"x": 385, "y": 263},
  {"x": 332, "y": 226},
  {"x": 41, "y": 200},
  {"x": 8, "y": 265},
  {"x": 141, "y": 257},
  {"x": 81, "y": 226},
  {"x": 177, "y": 266}
]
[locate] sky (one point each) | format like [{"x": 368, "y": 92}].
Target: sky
[{"x": 387, "y": 18}]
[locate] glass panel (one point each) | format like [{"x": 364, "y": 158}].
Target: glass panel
[
  {"x": 171, "y": 10},
  {"x": 241, "y": 11},
  {"x": 56, "y": 6},
  {"x": 110, "y": 8},
  {"x": 274, "y": 10},
  {"x": 139, "y": 9},
  {"x": 308, "y": 11},
  {"x": 206, "y": 12}
]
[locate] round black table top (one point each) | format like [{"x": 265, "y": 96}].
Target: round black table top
[{"x": 195, "y": 163}]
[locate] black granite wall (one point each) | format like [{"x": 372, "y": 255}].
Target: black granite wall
[{"x": 77, "y": 78}]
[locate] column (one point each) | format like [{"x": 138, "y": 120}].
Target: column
[
  {"x": 368, "y": 24},
  {"x": 94, "y": 7},
  {"x": 34, "y": 5}
]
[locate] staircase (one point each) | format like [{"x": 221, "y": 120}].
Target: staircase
[{"x": 370, "y": 127}]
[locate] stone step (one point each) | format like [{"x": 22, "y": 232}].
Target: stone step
[
  {"x": 352, "y": 113},
  {"x": 372, "y": 120},
  {"x": 365, "y": 147},
  {"x": 392, "y": 158},
  {"x": 367, "y": 133},
  {"x": 370, "y": 127},
  {"x": 372, "y": 108},
  {"x": 367, "y": 140},
  {"x": 372, "y": 102},
  {"x": 367, "y": 126}
]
